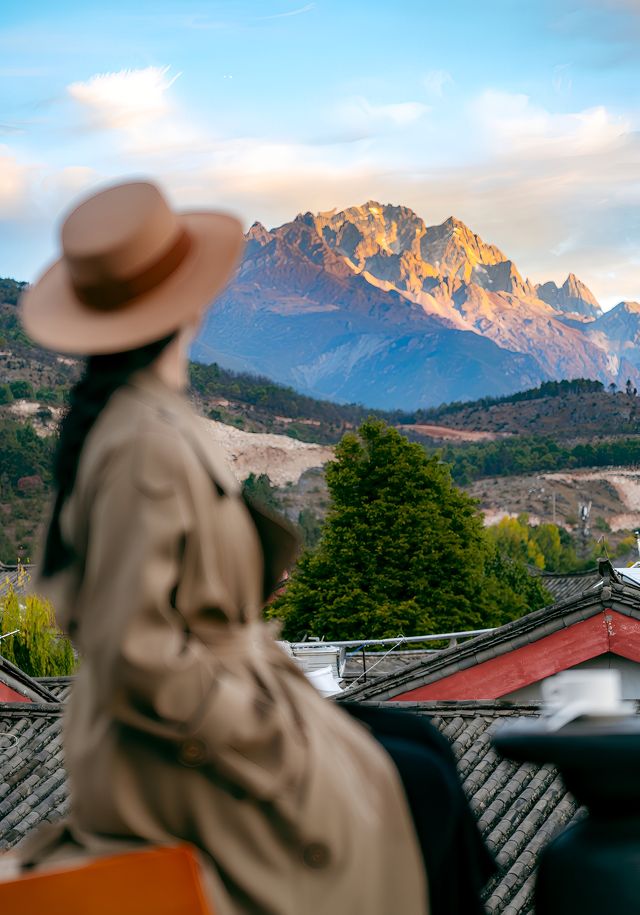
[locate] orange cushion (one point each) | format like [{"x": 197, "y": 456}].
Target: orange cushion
[{"x": 156, "y": 881}]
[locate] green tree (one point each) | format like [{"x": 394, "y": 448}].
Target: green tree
[
  {"x": 547, "y": 538},
  {"x": 38, "y": 648},
  {"x": 260, "y": 489},
  {"x": 310, "y": 527},
  {"x": 512, "y": 538},
  {"x": 510, "y": 590},
  {"x": 402, "y": 549},
  {"x": 22, "y": 389},
  {"x": 8, "y": 552},
  {"x": 546, "y": 546}
]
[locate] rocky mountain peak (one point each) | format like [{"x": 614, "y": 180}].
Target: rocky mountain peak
[
  {"x": 257, "y": 232},
  {"x": 375, "y": 292},
  {"x": 369, "y": 230},
  {"x": 619, "y": 314},
  {"x": 452, "y": 223},
  {"x": 394, "y": 245},
  {"x": 573, "y": 297},
  {"x": 618, "y": 331},
  {"x": 306, "y": 219},
  {"x": 455, "y": 251},
  {"x": 632, "y": 308}
]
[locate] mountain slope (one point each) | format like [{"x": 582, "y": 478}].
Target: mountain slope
[
  {"x": 618, "y": 332},
  {"x": 455, "y": 275},
  {"x": 572, "y": 298},
  {"x": 370, "y": 304},
  {"x": 299, "y": 313}
]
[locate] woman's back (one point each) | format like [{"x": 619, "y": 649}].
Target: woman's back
[{"x": 187, "y": 719}]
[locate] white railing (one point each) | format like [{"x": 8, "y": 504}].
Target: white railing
[
  {"x": 315, "y": 654},
  {"x": 451, "y": 637}
]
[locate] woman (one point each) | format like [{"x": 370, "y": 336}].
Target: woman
[{"x": 186, "y": 719}]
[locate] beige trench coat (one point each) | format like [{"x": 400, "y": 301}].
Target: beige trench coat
[{"x": 187, "y": 719}]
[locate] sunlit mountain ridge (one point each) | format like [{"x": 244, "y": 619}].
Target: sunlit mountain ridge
[{"x": 370, "y": 304}]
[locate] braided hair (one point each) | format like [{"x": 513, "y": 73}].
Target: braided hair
[{"x": 102, "y": 377}]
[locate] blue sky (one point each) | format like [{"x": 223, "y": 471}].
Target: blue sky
[{"x": 519, "y": 117}]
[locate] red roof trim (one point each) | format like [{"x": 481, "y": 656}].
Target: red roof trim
[
  {"x": 624, "y": 635},
  {"x": 10, "y": 695},
  {"x": 607, "y": 631}
]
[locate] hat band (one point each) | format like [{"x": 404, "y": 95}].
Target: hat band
[{"x": 111, "y": 294}]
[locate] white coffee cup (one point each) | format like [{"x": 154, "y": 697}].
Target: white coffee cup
[
  {"x": 574, "y": 693},
  {"x": 601, "y": 690}
]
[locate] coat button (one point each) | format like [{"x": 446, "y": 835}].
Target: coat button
[
  {"x": 316, "y": 855},
  {"x": 193, "y": 752}
]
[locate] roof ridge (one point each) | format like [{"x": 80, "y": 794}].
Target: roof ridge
[
  {"x": 515, "y": 633},
  {"x": 30, "y": 709}
]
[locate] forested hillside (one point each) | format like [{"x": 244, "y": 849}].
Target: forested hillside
[{"x": 556, "y": 427}]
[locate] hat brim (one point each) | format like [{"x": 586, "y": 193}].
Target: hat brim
[{"x": 55, "y": 318}]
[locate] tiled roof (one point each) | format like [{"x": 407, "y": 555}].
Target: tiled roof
[
  {"x": 380, "y": 663},
  {"x": 16, "y": 577},
  {"x": 32, "y": 778},
  {"x": 611, "y": 593},
  {"x": 570, "y": 585},
  {"x": 32, "y": 689},
  {"x": 60, "y": 687},
  {"x": 519, "y": 806}
]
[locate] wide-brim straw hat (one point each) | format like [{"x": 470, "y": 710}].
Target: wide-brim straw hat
[{"x": 132, "y": 271}]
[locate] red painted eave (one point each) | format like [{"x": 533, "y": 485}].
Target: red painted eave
[
  {"x": 607, "y": 631},
  {"x": 10, "y": 695}
]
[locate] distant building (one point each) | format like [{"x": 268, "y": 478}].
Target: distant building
[
  {"x": 33, "y": 483},
  {"x": 596, "y": 626},
  {"x": 14, "y": 576}
]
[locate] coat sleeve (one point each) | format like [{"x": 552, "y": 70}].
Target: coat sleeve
[{"x": 168, "y": 684}]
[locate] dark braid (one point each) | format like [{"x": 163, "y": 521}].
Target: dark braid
[{"x": 102, "y": 377}]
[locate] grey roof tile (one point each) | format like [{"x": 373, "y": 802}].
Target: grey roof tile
[
  {"x": 518, "y": 806},
  {"x": 32, "y": 777},
  {"x": 569, "y": 585},
  {"x": 60, "y": 687},
  {"x": 14, "y": 576}
]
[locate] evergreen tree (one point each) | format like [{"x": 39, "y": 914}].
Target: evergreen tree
[
  {"x": 260, "y": 489},
  {"x": 510, "y": 590},
  {"x": 310, "y": 527},
  {"x": 402, "y": 550}
]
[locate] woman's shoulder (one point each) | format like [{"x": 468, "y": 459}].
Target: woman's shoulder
[{"x": 156, "y": 444}]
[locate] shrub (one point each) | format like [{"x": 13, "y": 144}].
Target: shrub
[{"x": 38, "y": 648}]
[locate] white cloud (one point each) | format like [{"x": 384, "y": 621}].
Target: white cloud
[
  {"x": 126, "y": 98},
  {"x": 135, "y": 109},
  {"x": 556, "y": 191},
  {"x": 435, "y": 81},
  {"x": 289, "y": 13},
  {"x": 14, "y": 184},
  {"x": 358, "y": 113},
  {"x": 565, "y": 244},
  {"x": 512, "y": 123},
  {"x": 561, "y": 80}
]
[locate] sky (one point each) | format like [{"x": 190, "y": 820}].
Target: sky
[{"x": 520, "y": 117}]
